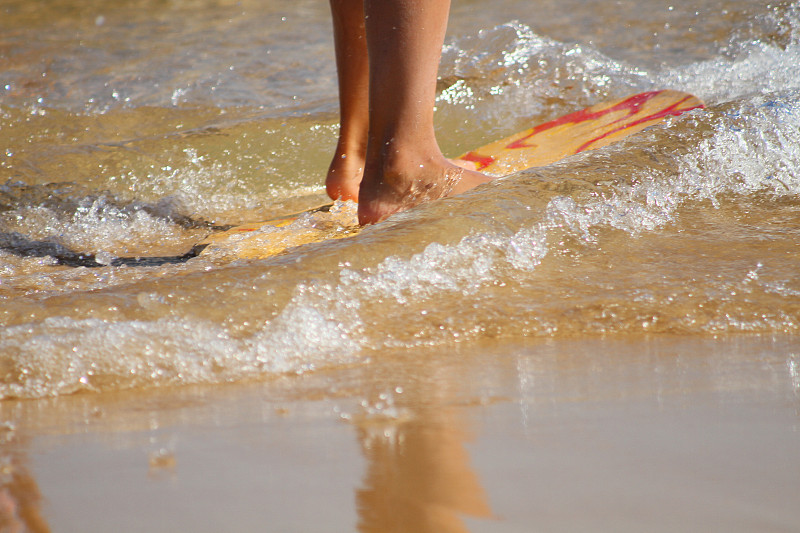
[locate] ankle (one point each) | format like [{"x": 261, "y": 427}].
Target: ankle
[{"x": 399, "y": 161}]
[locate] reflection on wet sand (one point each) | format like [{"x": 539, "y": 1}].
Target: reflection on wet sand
[
  {"x": 418, "y": 476},
  {"x": 20, "y": 498}
]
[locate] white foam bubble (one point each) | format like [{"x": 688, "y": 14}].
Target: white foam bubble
[
  {"x": 62, "y": 355},
  {"x": 761, "y": 57}
]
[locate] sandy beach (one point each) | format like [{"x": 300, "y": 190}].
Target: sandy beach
[{"x": 629, "y": 434}]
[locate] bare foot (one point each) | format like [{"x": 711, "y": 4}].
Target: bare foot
[
  {"x": 345, "y": 173},
  {"x": 401, "y": 186}
]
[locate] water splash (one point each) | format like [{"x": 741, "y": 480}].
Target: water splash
[
  {"x": 526, "y": 74},
  {"x": 763, "y": 56}
]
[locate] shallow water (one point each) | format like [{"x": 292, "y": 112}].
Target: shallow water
[{"x": 135, "y": 129}]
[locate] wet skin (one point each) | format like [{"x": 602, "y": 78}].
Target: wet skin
[{"x": 387, "y": 157}]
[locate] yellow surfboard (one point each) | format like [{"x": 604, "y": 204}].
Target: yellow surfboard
[{"x": 588, "y": 129}]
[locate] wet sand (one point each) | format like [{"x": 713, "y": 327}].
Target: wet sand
[{"x": 659, "y": 433}]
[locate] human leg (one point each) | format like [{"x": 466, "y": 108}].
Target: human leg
[
  {"x": 404, "y": 165},
  {"x": 347, "y": 166}
]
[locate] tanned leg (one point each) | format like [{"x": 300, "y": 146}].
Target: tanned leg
[
  {"x": 347, "y": 167},
  {"x": 404, "y": 166}
]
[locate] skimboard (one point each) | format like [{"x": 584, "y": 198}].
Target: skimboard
[{"x": 587, "y": 129}]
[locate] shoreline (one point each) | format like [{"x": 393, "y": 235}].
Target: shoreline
[{"x": 610, "y": 434}]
